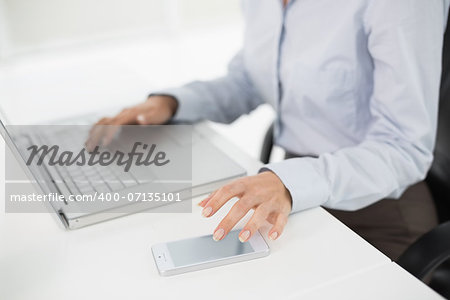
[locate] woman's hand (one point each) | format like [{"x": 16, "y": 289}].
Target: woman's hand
[
  {"x": 265, "y": 193},
  {"x": 156, "y": 110}
]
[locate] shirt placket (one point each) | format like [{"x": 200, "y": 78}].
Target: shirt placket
[{"x": 279, "y": 85}]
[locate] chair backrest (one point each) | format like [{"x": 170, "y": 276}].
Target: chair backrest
[{"x": 438, "y": 178}]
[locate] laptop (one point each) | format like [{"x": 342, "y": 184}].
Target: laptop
[{"x": 209, "y": 169}]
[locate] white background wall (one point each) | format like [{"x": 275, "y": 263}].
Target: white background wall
[
  {"x": 36, "y": 24},
  {"x": 60, "y": 58},
  {"x": 4, "y": 39}
]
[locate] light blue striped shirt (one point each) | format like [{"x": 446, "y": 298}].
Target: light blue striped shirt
[{"x": 353, "y": 82}]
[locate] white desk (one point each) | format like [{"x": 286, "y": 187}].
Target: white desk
[
  {"x": 112, "y": 260},
  {"x": 388, "y": 281}
]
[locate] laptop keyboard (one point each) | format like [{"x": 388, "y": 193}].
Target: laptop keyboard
[{"x": 89, "y": 179}]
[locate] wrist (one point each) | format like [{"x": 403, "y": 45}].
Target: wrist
[
  {"x": 165, "y": 100},
  {"x": 286, "y": 195}
]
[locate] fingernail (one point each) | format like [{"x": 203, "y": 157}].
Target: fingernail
[
  {"x": 218, "y": 234},
  {"x": 205, "y": 200},
  {"x": 273, "y": 236},
  {"x": 207, "y": 211},
  {"x": 243, "y": 237},
  {"x": 141, "y": 118}
]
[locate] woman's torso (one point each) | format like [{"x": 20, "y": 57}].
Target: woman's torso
[{"x": 322, "y": 61}]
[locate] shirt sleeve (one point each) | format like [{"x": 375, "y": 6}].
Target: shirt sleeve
[
  {"x": 220, "y": 100},
  {"x": 405, "y": 42}
]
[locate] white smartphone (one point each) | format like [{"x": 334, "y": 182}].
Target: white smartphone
[{"x": 203, "y": 252}]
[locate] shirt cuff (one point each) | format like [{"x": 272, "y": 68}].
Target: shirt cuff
[
  {"x": 188, "y": 109},
  {"x": 308, "y": 188}
]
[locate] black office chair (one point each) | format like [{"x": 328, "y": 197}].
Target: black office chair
[
  {"x": 429, "y": 257},
  {"x": 430, "y": 254}
]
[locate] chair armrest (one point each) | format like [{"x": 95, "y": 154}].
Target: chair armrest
[{"x": 428, "y": 252}]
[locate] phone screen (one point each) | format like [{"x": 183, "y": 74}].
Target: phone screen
[{"x": 202, "y": 249}]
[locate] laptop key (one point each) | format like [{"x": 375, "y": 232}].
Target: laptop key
[
  {"x": 115, "y": 185},
  {"x": 102, "y": 188}
]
